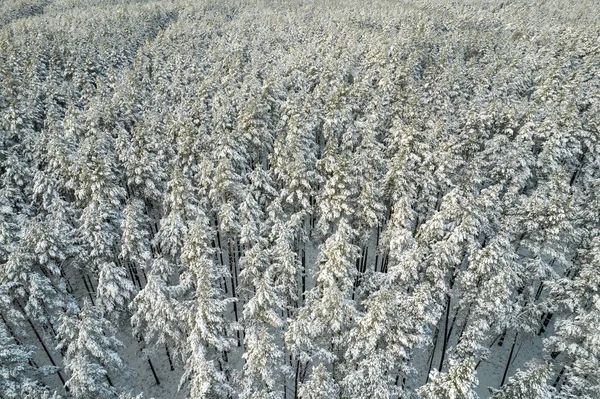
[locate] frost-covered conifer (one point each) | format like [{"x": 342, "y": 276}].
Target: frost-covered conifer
[
  {"x": 156, "y": 310},
  {"x": 320, "y": 385},
  {"x": 17, "y": 375},
  {"x": 263, "y": 324},
  {"x": 458, "y": 383},
  {"x": 393, "y": 324},
  {"x": 179, "y": 206},
  {"x": 189, "y": 150},
  {"x": 203, "y": 312},
  {"x": 529, "y": 383},
  {"x": 135, "y": 243},
  {"x": 95, "y": 179},
  {"x": 319, "y": 332},
  {"x": 294, "y": 154},
  {"x": 91, "y": 352},
  {"x": 576, "y": 337}
]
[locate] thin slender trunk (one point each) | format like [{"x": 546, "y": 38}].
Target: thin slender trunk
[
  {"x": 437, "y": 332},
  {"x": 43, "y": 344},
  {"x": 128, "y": 268},
  {"x": 91, "y": 284},
  {"x": 414, "y": 232},
  {"x": 512, "y": 349},
  {"x": 384, "y": 264},
  {"x": 546, "y": 320},
  {"x": 356, "y": 278},
  {"x": 169, "y": 357},
  {"x": 304, "y": 371},
  {"x": 109, "y": 380},
  {"x": 220, "y": 254},
  {"x": 153, "y": 372},
  {"x": 136, "y": 274},
  {"x": 87, "y": 288},
  {"x": 296, "y": 379},
  {"x": 579, "y": 167},
  {"x": 233, "y": 295},
  {"x": 219, "y": 243},
  {"x": 539, "y": 291},
  {"x": 158, "y": 248},
  {"x": 239, "y": 251},
  {"x": 445, "y": 344},
  {"x": 453, "y": 322},
  {"x": 303, "y": 274},
  {"x": 562, "y": 371},
  {"x": 377, "y": 248},
  {"x": 69, "y": 286}
]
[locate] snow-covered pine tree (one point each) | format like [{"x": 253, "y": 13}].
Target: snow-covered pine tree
[
  {"x": 96, "y": 182},
  {"x": 91, "y": 352},
  {"x": 156, "y": 309},
  {"x": 368, "y": 167},
  {"x": 34, "y": 270},
  {"x": 18, "y": 376},
  {"x": 393, "y": 323},
  {"x": 179, "y": 206},
  {"x": 208, "y": 331},
  {"x": 457, "y": 383},
  {"x": 576, "y": 337},
  {"x": 320, "y": 386},
  {"x": 319, "y": 333},
  {"x": 529, "y": 383},
  {"x": 294, "y": 154},
  {"x": 135, "y": 243},
  {"x": 263, "y": 324}
]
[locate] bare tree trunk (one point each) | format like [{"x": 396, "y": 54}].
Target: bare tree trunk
[
  {"x": 43, "y": 344},
  {"x": 233, "y": 295},
  {"x": 17, "y": 340},
  {"x": 303, "y": 275},
  {"x": 562, "y": 371},
  {"x": 437, "y": 333},
  {"x": 153, "y": 372},
  {"x": 296, "y": 379},
  {"x": 445, "y": 343},
  {"x": 169, "y": 357},
  {"x": 512, "y": 349},
  {"x": 377, "y": 248},
  {"x": 545, "y": 321},
  {"x": 87, "y": 288}
]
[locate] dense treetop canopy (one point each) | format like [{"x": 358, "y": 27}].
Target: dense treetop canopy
[{"x": 299, "y": 199}]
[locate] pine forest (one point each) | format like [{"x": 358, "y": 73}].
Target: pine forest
[{"x": 299, "y": 199}]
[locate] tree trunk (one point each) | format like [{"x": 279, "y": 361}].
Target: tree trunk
[
  {"x": 437, "y": 333},
  {"x": 546, "y": 320},
  {"x": 562, "y": 371},
  {"x": 512, "y": 349},
  {"x": 296, "y": 379},
  {"x": 233, "y": 295},
  {"x": 43, "y": 344},
  {"x": 169, "y": 357},
  {"x": 377, "y": 248},
  {"x": 303, "y": 274},
  {"x": 445, "y": 344},
  {"x": 153, "y": 372},
  {"x": 87, "y": 288}
]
